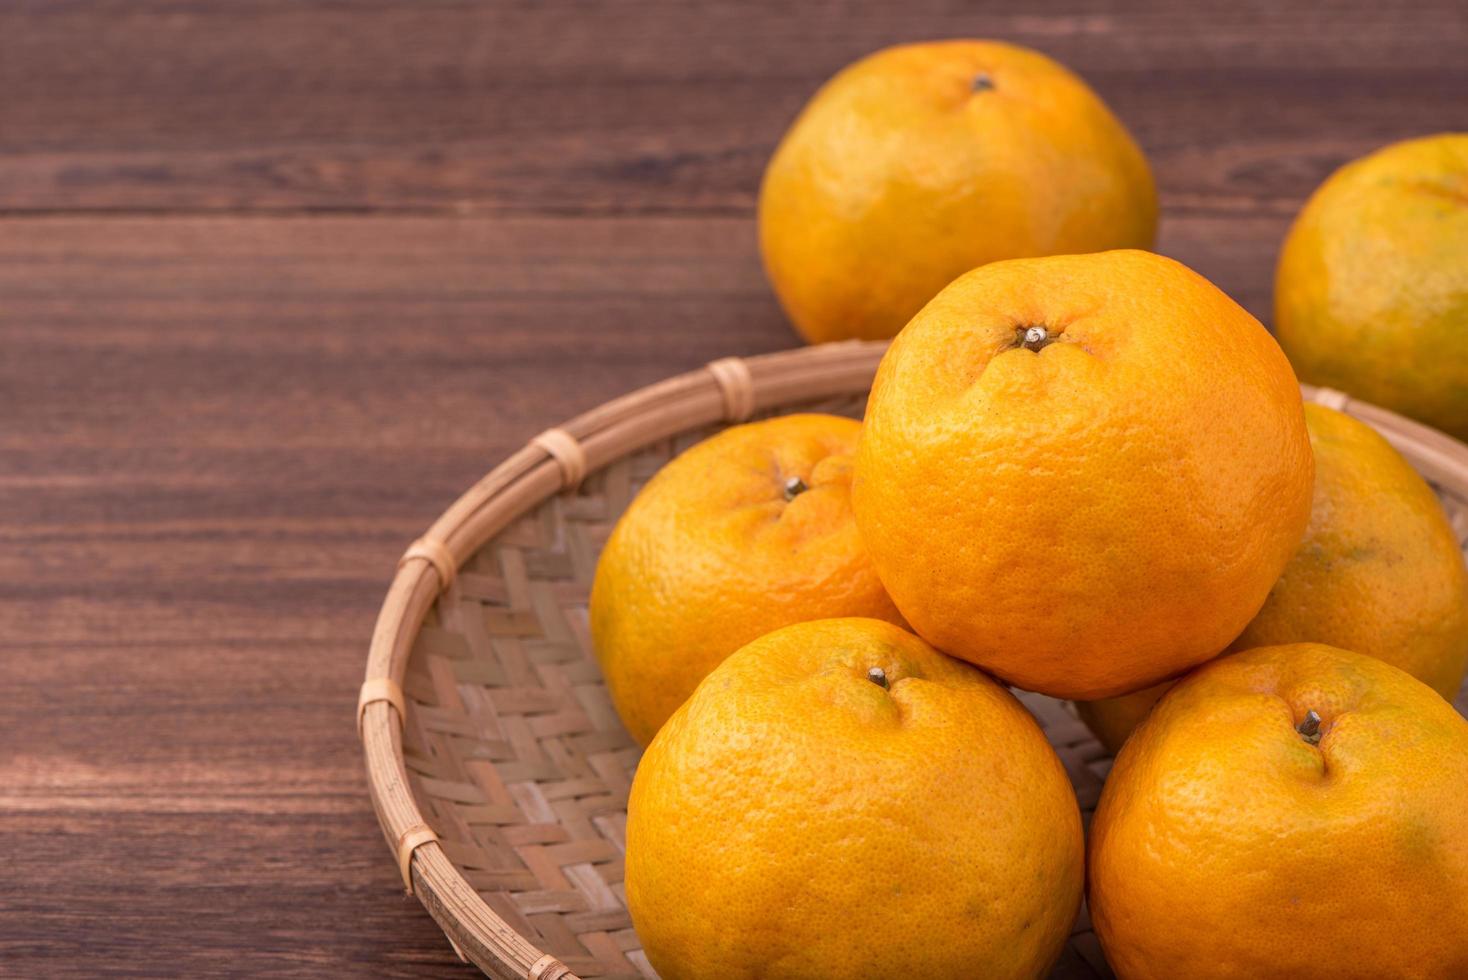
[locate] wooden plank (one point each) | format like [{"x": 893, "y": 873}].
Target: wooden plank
[
  {"x": 218, "y": 435},
  {"x": 569, "y": 106}
]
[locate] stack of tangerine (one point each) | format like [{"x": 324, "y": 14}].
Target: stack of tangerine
[{"x": 1084, "y": 475}]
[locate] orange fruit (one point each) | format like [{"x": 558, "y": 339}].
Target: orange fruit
[
  {"x": 1112, "y": 720},
  {"x": 1380, "y": 572},
  {"x": 920, "y": 162},
  {"x": 1082, "y": 473},
  {"x": 840, "y": 800},
  {"x": 1371, "y": 293},
  {"x": 1226, "y": 844},
  {"x": 745, "y": 532}
]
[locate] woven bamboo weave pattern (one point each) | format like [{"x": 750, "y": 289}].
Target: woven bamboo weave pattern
[{"x": 515, "y": 756}]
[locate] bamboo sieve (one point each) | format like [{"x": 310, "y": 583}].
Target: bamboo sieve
[{"x": 497, "y": 766}]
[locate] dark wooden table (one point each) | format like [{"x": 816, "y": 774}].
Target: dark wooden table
[{"x": 278, "y": 279}]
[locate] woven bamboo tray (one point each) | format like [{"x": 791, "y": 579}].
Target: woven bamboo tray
[{"x": 499, "y": 770}]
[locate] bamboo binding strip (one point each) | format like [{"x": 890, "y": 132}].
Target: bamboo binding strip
[{"x": 496, "y": 766}]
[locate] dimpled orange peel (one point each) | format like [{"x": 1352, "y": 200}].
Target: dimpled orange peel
[
  {"x": 1082, "y": 473},
  {"x": 840, "y": 801},
  {"x": 744, "y": 532},
  {"x": 1371, "y": 292},
  {"x": 1292, "y": 811},
  {"x": 919, "y": 162}
]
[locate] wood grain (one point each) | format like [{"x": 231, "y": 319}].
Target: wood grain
[
  {"x": 566, "y": 106},
  {"x": 208, "y": 466},
  {"x": 278, "y": 279}
]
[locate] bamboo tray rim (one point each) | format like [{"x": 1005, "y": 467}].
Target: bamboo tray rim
[{"x": 728, "y": 390}]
